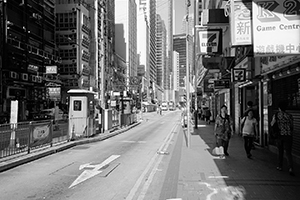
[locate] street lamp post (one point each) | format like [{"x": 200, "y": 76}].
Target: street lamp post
[{"x": 187, "y": 82}]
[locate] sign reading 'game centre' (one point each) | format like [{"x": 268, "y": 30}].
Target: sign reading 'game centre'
[{"x": 276, "y": 27}]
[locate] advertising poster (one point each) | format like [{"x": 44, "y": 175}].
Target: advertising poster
[
  {"x": 276, "y": 27},
  {"x": 240, "y": 23},
  {"x": 40, "y": 135},
  {"x": 210, "y": 41}
]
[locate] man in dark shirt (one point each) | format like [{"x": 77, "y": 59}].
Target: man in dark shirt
[{"x": 285, "y": 123}]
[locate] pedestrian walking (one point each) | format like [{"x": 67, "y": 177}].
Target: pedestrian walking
[
  {"x": 284, "y": 138},
  {"x": 255, "y": 115},
  {"x": 249, "y": 131},
  {"x": 223, "y": 129},
  {"x": 207, "y": 116},
  {"x": 199, "y": 113}
]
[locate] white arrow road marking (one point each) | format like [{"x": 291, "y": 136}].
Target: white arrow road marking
[{"x": 87, "y": 174}]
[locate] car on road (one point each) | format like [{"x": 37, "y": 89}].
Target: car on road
[
  {"x": 172, "y": 105},
  {"x": 164, "y": 106}
]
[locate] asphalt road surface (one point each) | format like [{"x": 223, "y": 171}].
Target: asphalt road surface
[{"x": 132, "y": 165}]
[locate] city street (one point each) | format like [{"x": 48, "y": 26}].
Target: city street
[
  {"x": 153, "y": 162},
  {"x": 115, "y": 168}
]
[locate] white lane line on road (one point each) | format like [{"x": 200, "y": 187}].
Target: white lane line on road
[
  {"x": 93, "y": 170},
  {"x": 140, "y": 180},
  {"x": 131, "y": 141},
  {"x": 218, "y": 177}
]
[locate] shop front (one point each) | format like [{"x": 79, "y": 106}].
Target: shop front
[{"x": 282, "y": 83}]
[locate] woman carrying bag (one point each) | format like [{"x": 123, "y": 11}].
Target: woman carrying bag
[
  {"x": 249, "y": 131},
  {"x": 223, "y": 130}
]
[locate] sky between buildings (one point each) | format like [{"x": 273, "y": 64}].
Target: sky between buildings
[{"x": 180, "y": 11}]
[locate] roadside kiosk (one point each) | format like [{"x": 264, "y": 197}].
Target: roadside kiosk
[{"x": 81, "y": 113}]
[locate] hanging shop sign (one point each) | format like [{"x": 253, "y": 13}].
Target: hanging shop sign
[
  {"x": 51, "y": 69},
  {"x": 210, "y": 41},
  {"x": 208, "y": 87},
  {"x": 221, "y": 84},
  {"x": 54, "y": 93},
  {"x": 244, "y": 64},
  {"x": 276, "y": 27},
  {"x": 238, "y": 75},
  {"x": 241, "y": 22},
  {"x": 33, "y": 68}
]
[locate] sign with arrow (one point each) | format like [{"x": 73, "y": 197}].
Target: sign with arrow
[{"x": 91, "y": 170}]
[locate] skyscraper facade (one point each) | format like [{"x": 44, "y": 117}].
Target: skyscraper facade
[
  {"x": 176, "y": 70},
  {"x": 161, "y": 53},
  {"x": 126, "y": 33},
  {"x": 143, "y": 49},
  {"x": 149, "y": 8}
]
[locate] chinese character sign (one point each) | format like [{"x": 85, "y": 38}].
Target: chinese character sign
[
  {"x": 240, "y": 23},
  {"x": 276, "y": 27},
  {"x": 210, "y": 41}
]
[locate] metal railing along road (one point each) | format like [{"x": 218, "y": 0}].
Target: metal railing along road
[{"x": 26, "y": 136}]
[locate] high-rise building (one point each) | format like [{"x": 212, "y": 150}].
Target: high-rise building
[
  {"x": 102, "y": 45},
  {"x": 191, "y": 24},
  {"x": 126, "y": 33},
  {"x": 149, "y": 8},
  {"x": 170, "y": 39},
  {"x": 73, "y": 41},
  {"x": 27, "y": 48},
  {"x": 161, "y": 53},
  {"x": 180, "y": 46},
  {"x": 165, "y": 9},
  {"x": 143, "y": 49},
  {"x": 176, "y": 70}
]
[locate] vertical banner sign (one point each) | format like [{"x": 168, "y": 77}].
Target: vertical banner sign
[
  {"x": 210, "y": 41},
  {"x": 276, "y": 27},
  {"x": 240, "y": 22},
  {"x": 14, "y": 112}
]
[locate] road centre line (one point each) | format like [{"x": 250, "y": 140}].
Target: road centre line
[
  {"x": 132, "y": 141},
  {"x": 139, "y": 182}
]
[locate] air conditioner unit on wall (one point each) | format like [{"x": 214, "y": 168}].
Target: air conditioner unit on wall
[
  {"x": 24, "y": 77},
  {"x": 13, "y": 75}
]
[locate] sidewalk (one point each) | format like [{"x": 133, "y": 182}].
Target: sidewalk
[
  {"x": 22, "y": 158},
  {"x": 204, "y": 176}
]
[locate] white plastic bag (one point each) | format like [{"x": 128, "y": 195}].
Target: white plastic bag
[{"x": 218, "y": 151}]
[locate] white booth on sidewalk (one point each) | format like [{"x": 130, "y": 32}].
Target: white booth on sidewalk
[{"x": 81, "y": 113}]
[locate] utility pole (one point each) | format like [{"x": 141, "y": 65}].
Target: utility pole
[
  {"x": 187, "y": 82},
  {"x": 196, "y": 18}
]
